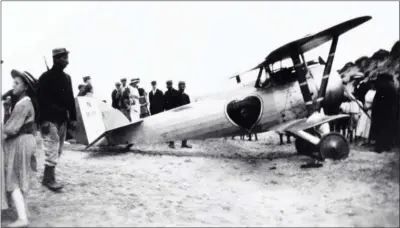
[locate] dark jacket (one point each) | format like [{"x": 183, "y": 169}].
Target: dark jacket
[
  {"x": 116, "y": 98},
  {"x": 14, "y": 99},
  {"x": 156, "y": 102},
  {"x": 55, "y": 97},
  {"x": 183, "y": 99},
  {"x": 171, "y": 99}
]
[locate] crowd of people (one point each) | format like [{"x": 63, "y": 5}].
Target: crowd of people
[{"x": 374, "y": 108}]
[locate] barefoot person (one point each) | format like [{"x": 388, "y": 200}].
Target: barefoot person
[
  {"x": 57, "y": 108},
  {"x": 20, "y": 145}
]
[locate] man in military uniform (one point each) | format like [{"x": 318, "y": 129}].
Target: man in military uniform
[
  {"x": 183, "y": 99},
  {"x": 156, "y": 98},
  {"x": 171, "y": 101},
  {"x": 57, "y": 109},
  {"x": 116, "y": 96}
]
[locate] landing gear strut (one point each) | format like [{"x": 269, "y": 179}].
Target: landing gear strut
[{"x": 332, "y": 146}]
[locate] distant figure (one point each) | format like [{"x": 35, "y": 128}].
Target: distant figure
[
  {"x": 125, "y": 105},
  {"x": 135, "y": 108},
  {"x": 364, "y": 123},
  {"x": 171, "y": 97},
  {"x": 156, "y": 98},
  {"x": 88, "y": 91},
  {"x": 87, "y": 80},
  {"x": 183, "y": 99},
  {"x": 144, "y": 111},
  {"x": 171, "y": 101},
  {"x": 116, "y": 96},
  {"x": 384, "y": 111},
  {"x": 81, "y": 89}
]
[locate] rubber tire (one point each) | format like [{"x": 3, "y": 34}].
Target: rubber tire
[
  {"x": 303, "y": 147},
  {"x": 337, "y": 151}
]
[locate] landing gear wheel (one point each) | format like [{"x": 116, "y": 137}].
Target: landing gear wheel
[
  {"x": 303, "y": 147},
  {"x": 334, "y": 146}
]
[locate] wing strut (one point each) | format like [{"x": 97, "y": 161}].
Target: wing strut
[
  {"x": 327, "y": 71},
  {"x": 301, "y": 77}
]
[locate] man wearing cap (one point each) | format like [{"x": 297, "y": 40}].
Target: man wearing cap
[
  {"x": 116, "y": 96},
  {"x": 156, "y": 98},
  {"x": 57, "y": 109},
  {"x": 171, "y": 101},
  {"x": 171, "y": 97},
  {"x": 134, "y": 95},
  {"x": 183, "y": 99}
]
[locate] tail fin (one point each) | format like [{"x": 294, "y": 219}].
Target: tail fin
[{"x": 94, "y": 117}]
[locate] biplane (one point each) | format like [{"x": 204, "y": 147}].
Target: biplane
[{"x": 289, "y": 99}]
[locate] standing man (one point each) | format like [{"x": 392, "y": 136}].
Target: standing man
[
  {"x": 156, "y": 98},
  {"x": 57, "y": 109},
  {"x": 125, "y": 105},
  {"x": 116, "y": 96},
  {"x": 183, "y": 99},
  {"x": 171, "y": 101}
]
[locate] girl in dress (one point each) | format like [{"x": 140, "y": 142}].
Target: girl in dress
[{"x": 20, "y": 144}]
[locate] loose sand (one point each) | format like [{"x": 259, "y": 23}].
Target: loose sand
[{"x": 217, "y": 183}]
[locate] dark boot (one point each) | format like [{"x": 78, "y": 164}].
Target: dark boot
[
  {"x": 171, "y": 145},
  {"x": 185, "y": 145},
  {"x": 49, "y": 179}
]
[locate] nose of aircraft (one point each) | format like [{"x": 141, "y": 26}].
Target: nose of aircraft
[{"x": 334, "y": 94}]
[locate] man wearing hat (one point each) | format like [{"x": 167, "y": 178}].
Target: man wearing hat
[
  {"x": 183, "y": 99},
  {"x": 57, "y": 110},
  {"x": 171, "y": 101},
  {"x": 116, "y": 96},
  {"x": 156, "y": 98},
  {"x": 134, "y": 95}
]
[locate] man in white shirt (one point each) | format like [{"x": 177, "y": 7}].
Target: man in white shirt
[{"x": 134, "y": 95}]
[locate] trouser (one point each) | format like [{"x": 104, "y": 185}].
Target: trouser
[
  {"x": 184, "y": 142},
  {"x": 53, "y": 142}
]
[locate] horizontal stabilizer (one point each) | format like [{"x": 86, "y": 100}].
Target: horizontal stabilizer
[{"x": 122, "y": 128}]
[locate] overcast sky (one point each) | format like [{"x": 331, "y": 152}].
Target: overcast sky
[{"x": 202, "y": 43}]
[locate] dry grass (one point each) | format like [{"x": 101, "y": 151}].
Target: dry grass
[{"x": 218, "y": 183}]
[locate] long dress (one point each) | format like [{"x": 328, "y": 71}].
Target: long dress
[
  {"x": 364, "y": 124},
  {"x": 4, "y": 202},
  {"x": 20, "y": 146},
  {"x": 135, "y": 108}
]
